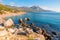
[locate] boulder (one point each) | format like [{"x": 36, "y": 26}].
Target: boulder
[
  {"x": 3, "y": 33},
  {"x": 21, "y": 32},
  {"x": 27, "y": 19},
  {"x": 20, "y": 20},
  {"x": 8, "y": 23},
  {"x": 39, "y": 31},
  {"x": 2, "y": 28},
  {"x": 28, "y": 30},
  {"x": 11, "y": 30}
]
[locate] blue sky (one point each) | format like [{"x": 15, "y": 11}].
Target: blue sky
[{"x": 45, "y": 4}]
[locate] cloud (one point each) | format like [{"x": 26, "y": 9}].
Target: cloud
[
  {"x": 12, "y": 4},
  {"x": 53, "y": 9}
]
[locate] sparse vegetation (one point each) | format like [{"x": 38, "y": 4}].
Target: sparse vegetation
[{"x": 4, "y": 9}]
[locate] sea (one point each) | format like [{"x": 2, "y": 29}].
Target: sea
[{"x": 49, "y": 20}]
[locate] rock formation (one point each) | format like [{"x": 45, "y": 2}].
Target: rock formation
[{"x": 8, "y": 23}]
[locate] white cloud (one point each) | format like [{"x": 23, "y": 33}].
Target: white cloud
[
  {"x": 12, "y": 4},
  {"x": 53, "y": 9}
]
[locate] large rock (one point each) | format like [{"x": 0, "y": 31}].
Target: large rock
[
  {"x": 2, "y": 28},
  {"x": 11, "y": 30},
  {"x": 3, "y": 33},
  {"x": 20, "y": 20},
  {"x": 28, "y": 30},
  {"x": 9, "y": 23},
  {"x": 27, "y": 19},
  {"x": 35, "y": 36}
]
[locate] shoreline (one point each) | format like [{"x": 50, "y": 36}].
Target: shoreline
[
  {"x": 3, "y": 16},
  {"x": 25, "y": 30},
  {"x": 11, "y": 14}
]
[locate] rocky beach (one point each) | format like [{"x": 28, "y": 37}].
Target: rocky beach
[
  {"x": 25, "y": 31},
  {"x": 22, "y": 32}
]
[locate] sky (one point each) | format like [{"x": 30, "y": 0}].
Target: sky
[{"x": 45, "y": 4}]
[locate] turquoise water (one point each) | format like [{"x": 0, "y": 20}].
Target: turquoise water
[
  {"x": 52, "y": 19},
  {"x": 41, "y": 18}
]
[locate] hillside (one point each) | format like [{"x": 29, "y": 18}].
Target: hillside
[
  {"x": 14, "y": 9},
  {"x": 31, "y": 9},
  {"x": 4, "y": 9}
]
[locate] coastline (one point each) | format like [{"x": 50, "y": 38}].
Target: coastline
[
  {"x": 7, "y": 14},
  {"x": 39, "y": 33},
  {"x": 23, "y": 32},
  {"x": 11, "y": 14}
]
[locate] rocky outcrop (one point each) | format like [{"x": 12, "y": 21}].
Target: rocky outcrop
[
  {"x": 3, "y": 33},
  {"x": 25, "y": 32},
  {"x": 10, "y": 34},
  {"x": 8, "y": 23},
  {"x": 2, "y": 28}
]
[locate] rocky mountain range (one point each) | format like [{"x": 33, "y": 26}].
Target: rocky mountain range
[
  {"x": 31, "y": 9},
  {"x": 27, "y": 9}
]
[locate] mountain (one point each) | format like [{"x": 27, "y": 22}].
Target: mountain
[
  {"x": 30, "y": 9},
  {"x": 34, "y": 9},
  {"x": 38, "y": 9}
]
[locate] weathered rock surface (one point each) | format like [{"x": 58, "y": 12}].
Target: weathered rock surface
[
  {"x": 2, "y": 28},
  {"x": 25, "y": 31},
  {"x": 8, "y": 23},
  {"x": 7, "y": 35}
]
